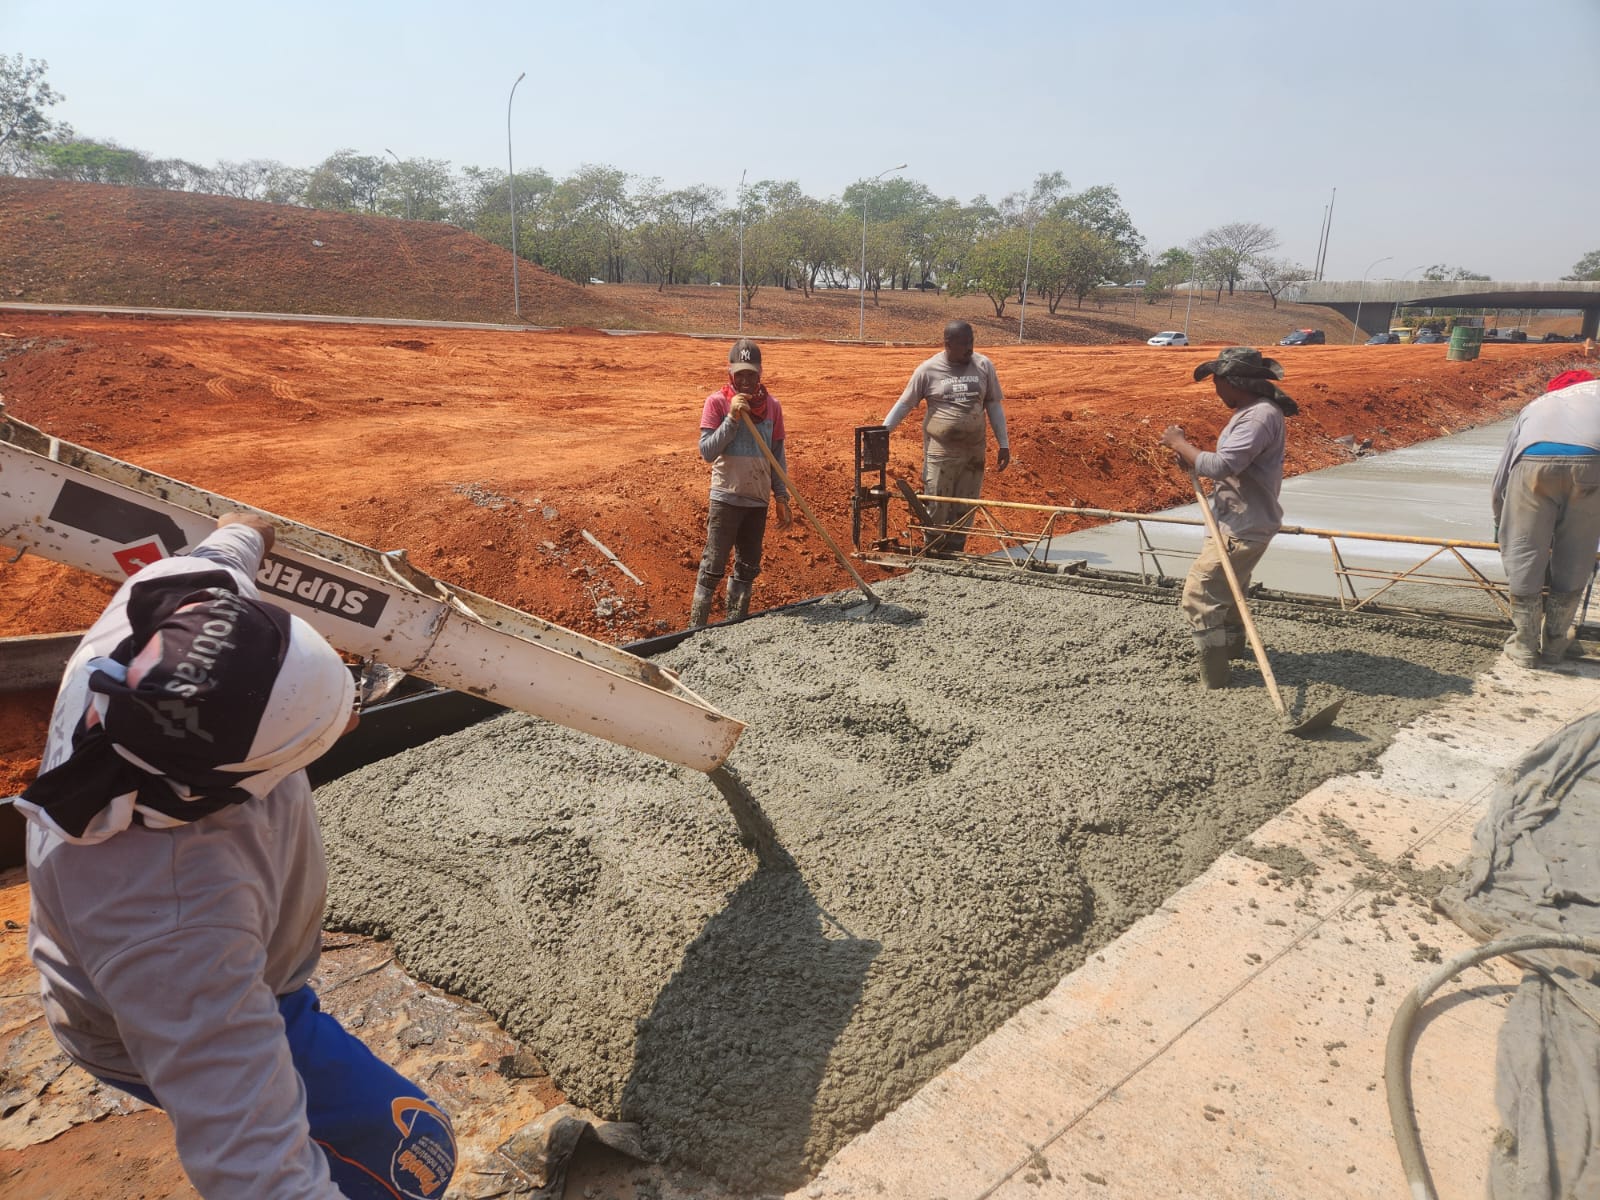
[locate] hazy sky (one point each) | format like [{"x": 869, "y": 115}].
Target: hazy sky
[{"x": 1462, "y": 133}]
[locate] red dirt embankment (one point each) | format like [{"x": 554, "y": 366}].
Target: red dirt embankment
[
  {"x": 486, "y": 455},
  {"x": 88, "y": 243}
]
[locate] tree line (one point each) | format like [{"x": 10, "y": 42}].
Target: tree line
[{"x": 602, "y": 223}]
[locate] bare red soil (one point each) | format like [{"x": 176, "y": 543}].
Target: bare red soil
[{"x": 486, "y": 455}]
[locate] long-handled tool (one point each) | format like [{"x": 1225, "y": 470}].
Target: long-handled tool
[
  {"x": 872, "y": 596},
  {"x": 1319, "y": 720}
]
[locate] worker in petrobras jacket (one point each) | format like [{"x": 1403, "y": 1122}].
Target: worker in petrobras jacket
[
  {"x": 1546, "y": 501},
  {"x": 178, "y": 882}
]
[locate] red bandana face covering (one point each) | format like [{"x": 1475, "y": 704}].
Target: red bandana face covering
[{"x": 758, "y": 401}]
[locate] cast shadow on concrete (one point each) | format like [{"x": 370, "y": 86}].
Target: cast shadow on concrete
[
  {"x": 1364, "y": 674},
  {"x": 728, "y": 1063}
]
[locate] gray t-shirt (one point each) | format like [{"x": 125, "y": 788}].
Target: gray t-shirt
[
  {"x": 958, "y": 401},
  {"x": 162, "y": 952},
  {"x": 1247, "y": 467}
]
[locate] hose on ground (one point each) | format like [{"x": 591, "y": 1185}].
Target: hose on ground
[{"x": 1396, "y": 1059}]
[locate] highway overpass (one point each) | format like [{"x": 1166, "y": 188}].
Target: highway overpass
[{"x": 1371, "y": 305}]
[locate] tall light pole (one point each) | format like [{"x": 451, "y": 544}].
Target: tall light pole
[
  {"x": 1362, "y": 295},
  {"x": 401, "y": 165},
  {"x": 511, "y": 178},
  {"x": 742, "y": 174},
  {"x": 861, "y": 335}
]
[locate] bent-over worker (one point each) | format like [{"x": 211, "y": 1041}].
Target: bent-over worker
[
  {"x": 741, "y": 481},
  {"x": 961, "y": 389},
  {"x": 1546, "y": 500},
  {"x": 1247, "y": 473},
  {"x": 178, "y": 882}
]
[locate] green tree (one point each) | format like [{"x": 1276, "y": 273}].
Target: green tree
[
  {"x": 1074, "y": 259},
  {"x": 24, "y": 123},
  {"x": 422, "y": 189},
  {"x": 1587, "y": 267},
  {"x": 673, "y": 229},
  {"x": 1099, "y": 210},
  {"x": 1443, "y": 273},
  {"x": 346, "y": 182},
  {"x": 994, "y": 266},
  {"x": 83, "y": 160},
  {"x": 1171, "y": 267},
  {"x": 598, "y": 201}
]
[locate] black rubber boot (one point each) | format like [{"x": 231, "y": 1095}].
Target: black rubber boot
[
  {"x": 700, "y": 606},
  {"x": 1527, "y": 614},
  {"x": 738, "y": 599}
]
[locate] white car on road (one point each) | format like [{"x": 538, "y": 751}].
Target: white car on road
[{"x": 1170, "y": 338}]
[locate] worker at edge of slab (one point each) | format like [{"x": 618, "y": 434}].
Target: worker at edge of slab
[
  {"x": 1247, "y": 473},
  {"x": 961, "y": 389},
  {"x": 1546, "y": 500},
  {"x": 179, "y": 881},
  {"x": 742, "y": 480}
]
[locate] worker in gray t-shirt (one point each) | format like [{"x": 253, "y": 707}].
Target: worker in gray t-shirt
[
  {"x": 1246, "y": 471},
  {"x": 962, "y": 392}
]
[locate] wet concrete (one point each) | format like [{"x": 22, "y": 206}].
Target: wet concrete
[{"x": 974, "y": 799}]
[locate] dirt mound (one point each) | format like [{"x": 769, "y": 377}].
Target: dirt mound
[{"x": 87, "y": 243}]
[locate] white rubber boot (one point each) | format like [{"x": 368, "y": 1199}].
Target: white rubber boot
[
  {"x": 700, "y": 607},
  {"x": 1559, "y": 610},
  {"x": 1527, "y": 614}
]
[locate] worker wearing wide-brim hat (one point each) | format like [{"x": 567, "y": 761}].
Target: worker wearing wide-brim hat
[{"x": 1247, "y": 473}]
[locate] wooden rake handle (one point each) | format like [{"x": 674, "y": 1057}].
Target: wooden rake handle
[{"x": 806, "y": 510}]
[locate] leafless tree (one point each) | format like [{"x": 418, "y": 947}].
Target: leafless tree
[{"x": 1228, "y": 250}]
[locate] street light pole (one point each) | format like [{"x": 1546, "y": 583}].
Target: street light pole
[
  {"x": 1361, "y": 295},
  {"x": 861, "y": 335},
  {"x": 401, "y": 165},
  {"x": 511, "y": 179},
  {"x": 742, "y": 174}
]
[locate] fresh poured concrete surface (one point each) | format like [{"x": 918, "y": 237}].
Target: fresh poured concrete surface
[
  {"x": 980, "y": 786},
  {"x": 1438, "y": 489},
  {"x": 1231, "y": 1043}
]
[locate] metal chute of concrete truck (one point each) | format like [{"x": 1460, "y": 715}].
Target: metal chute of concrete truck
[{"x": 99, "y": 514}]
